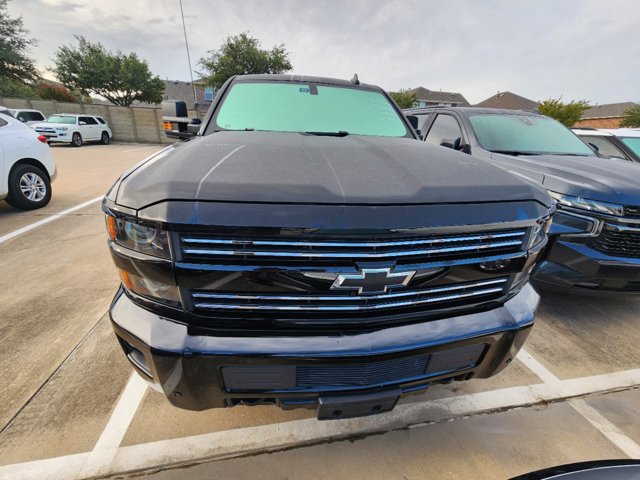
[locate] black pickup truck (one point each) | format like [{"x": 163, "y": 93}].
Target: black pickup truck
[
  {"x": 594, "y": 246},
  {"x": 307, "y": 250}
]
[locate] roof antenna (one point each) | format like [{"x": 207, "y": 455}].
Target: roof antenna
[{"x": 355, "y": 80}]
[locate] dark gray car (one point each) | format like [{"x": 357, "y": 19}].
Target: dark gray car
[{"x": 595, "y": 244}]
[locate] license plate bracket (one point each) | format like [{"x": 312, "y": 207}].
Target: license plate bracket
[{"x": 349, "y": 406}]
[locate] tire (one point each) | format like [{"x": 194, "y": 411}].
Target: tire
[
  {"x": 76, "y": 140},
  {"x": 104, "y": 138},
  {"x": 29, "y": 188}
]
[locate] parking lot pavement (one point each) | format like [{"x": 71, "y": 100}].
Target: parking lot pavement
[
  {"x": 70, "y": 403},
  {"x": 491, "y": 447}
]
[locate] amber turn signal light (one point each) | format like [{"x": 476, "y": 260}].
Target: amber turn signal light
[{"x": 112, "y": 227}]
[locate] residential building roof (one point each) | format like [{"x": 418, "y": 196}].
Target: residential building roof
[
  {"x": 610, "y": 110},
  {"x": 509, "y": 101},
  {"x": 426, "y": 95}
]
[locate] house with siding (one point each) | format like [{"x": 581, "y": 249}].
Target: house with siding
[
  {"x": 183, "y": 91},
  {"x": 427, "y": 98},
  {"x": 605, "y": 116}
]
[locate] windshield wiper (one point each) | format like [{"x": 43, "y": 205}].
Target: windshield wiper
[
  {"x": 340, "y": 133},
  {"x": 514, "y": 152}
]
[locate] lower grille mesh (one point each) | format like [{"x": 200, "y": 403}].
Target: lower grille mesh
[
  {"x": 355, "y": 375},
  {"x": 620, "y": 244}
]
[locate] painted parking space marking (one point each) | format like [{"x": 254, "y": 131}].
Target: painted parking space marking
[
  {"x": 590, "y": 414},
  {"x": 273, "y": 437},
  {"x": 53, "y": 217},
  {"x": 106, "y": 447}
]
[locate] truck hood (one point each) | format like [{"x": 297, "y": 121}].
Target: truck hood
[
  {"x": 605, "y": 179},
  {"x": 295, "y": 168}
]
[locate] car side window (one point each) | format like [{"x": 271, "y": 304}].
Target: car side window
[
  {"x": 36, "y": 116},
  {"x": 605, "y": 147},
  {"x": 3, "y": 123},
  {"x": 89, "y": 120},
  {"x": 446, "y": 128},
  {"x": 23, "y": 117},
  {"x": 101, "y": 120}
]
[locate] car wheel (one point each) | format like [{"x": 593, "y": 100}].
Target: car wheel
[
  {"x": 76, "y": 140},
  {"x": 29, "y": 188},
  {"x": 104, "y": 139}
]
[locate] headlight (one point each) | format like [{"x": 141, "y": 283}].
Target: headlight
[
  {"x": 587, "y": 204},
  {"x": 139, "y": 237}
]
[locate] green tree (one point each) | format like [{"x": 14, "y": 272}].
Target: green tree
[
  {"x": 566, "y": 113},
  {"x": 404, "y": 98},
  {"x": 16, "y": 68},
  {"x": 17, "y": 89},
  {"x": 120, "y": 78},
  {"x": 242, "y": 55},
  {"x": 631, "y": 117}
]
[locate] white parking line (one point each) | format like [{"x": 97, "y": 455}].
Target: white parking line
[
  {"x": 266, "y": 438},
  {"x": 106, "y": 447},
  {"x": 595, "y": 418},
  {"x": 139, "y": 148},
  {"x": 51, "y": 218}
]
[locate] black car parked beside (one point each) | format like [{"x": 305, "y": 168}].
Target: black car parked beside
[
  {"x": 595, "y": 237},
  {"x": 308, "y": 250}
]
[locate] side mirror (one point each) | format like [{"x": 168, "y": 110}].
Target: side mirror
[
  {"x": 82, "y": 123},
  {"x": 449, "y": 143},
  {"x": 414, "y": 121},
  {"x": 193, "y": 128}
]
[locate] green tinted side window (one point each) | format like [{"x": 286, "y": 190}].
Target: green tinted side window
[
  {"x": 297, "y": 107},
  {"x": 526, "y": 133},
  {"x": 633, "y": 143}
]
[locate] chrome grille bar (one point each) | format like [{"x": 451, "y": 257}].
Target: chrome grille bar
[
  {"x": 311, "y": 254},
  {"x": 360, "y": 303},
  {"x": 401, "y": 243}
]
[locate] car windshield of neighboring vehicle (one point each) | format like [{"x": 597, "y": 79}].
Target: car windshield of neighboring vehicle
[
  {"x": 526, "y": 134},
  {"x": 633, "y": 143},
  {"x": 307, "y": 107},
  {"x": 62, "y": 119}
]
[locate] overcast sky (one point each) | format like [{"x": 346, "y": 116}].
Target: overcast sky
[{"x": 536, "y": 48}]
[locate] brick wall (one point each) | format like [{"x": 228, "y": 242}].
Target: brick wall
[{"x": 613, "y": 122}]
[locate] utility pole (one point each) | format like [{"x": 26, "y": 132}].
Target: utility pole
[{"x": 184, "y": 28}]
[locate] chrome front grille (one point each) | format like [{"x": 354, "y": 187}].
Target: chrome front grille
[
  {"x": 457, "y": 293},
  {"x": 205, "y": 248}
]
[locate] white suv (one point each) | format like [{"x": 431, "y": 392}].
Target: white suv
[
  {"x": 74, "y": 129},
  {"x": 26, "y": 165},
  {"x": 28, "y": 116}
]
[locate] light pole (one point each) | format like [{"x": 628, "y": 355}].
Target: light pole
[{"x": 184, "y": 28}]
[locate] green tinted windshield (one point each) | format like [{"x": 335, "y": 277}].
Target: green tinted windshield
[
  {"x": 62, "y": 119},
  {"x": 315, "y": 108},
  {"x": 526, "y": 134},
  {"x": 633, "y": 143}
]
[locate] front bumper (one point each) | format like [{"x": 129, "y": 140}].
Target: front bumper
[
  {"x": 571, "y": 264},
  {"x": 201, "y": 372}
]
